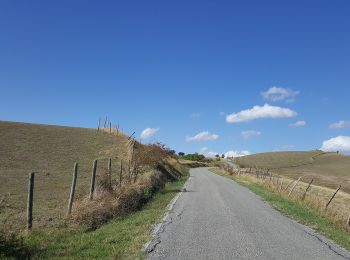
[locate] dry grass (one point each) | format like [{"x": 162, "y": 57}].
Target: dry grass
[
  {"x": 120, "y": 201},
  {"x": 327, "y": 169},
  {"x": 50, "y": 151},
  {"x": 316, "y": 198},
  {"x": 193, "y": 164}
]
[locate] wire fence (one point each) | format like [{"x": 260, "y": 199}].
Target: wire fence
[{"x": 333, "y": 203}]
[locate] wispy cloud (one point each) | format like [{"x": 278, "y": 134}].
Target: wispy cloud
[
  {"x": 202, "y": 136},
  {"x": 279, "y": 94},
  {"x": 259, "y": 112},
  {"x": 339, "y": 143},
  {"x": 148, "y": 133},
  {"x": 340, "y": 124},
  {"x": 250, "y": 133},
  {"x": 299, "y": 123}
]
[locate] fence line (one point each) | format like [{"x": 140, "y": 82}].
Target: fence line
[{"x": 262, "y": 174}]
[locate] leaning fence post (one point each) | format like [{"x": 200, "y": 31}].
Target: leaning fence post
[
  {"x": 93, "y": 177},
  {"x": 295, "y": 184},
  {"x": 30, "y": 201},
  {"x": 72, "y": 190},
  {"x": 330, "y": 200},
  {"x": 104, "y": 126},
  {"x": 110, "y": 172},
  {"x": 307, "y": 189},
  {"x": 290, "y": 183},
  {"x": 121, "y": 173}
]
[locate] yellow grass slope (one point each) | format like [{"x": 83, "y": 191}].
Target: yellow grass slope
[
  {"x": 327, "y": 169},
  {"x": 50, "y": 151}
]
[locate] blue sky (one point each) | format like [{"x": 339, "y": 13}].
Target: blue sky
[{"x": 181, "y": 67}]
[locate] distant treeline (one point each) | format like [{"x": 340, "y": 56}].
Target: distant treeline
[{"x": 193, "y": 157}]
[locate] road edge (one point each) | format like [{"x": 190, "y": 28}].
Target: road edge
[{"x": 156, "y": 229}]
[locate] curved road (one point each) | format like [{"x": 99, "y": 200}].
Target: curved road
[{"x": 218, "y": 219}]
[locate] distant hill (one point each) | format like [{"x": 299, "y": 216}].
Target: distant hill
[
  {"x": 328, "y": 169},
  {"x": 50, "y": 151}
]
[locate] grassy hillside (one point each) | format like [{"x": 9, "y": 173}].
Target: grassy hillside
[
  {"x": 327, "y": 169},
  {"x": 50, "y": 152}
]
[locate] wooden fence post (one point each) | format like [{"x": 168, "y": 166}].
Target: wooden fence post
[
  {"x": 330, "y": 200},
  {"x": 307, "y": 189},
  {"x": 110, "y": 172},
  {"x": 295, "y": 184},
  {"x": 131, "y": 136},
  {"x": 99, "y": 123},
  {"x": 129, "y": 168},
  {"x": 290, "y": 183},
  {"x": 72, "y": 189},
  {"x": 93, "y": 177},
  {"x": 30, "y": 201},
  {"x": 105, "y": 124},
  {"x": 121, "y": 173},
  {"x": 110, "y": 127}
]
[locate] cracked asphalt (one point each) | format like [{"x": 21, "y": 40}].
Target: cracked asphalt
[{"x": 218, "y": 219}]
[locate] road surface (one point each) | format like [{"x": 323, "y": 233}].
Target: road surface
[{"x": 218, "y": 219}]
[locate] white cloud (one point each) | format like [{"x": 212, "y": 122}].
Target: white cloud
[
  {"x": 340, "y": 124},
  {"x": 340, "y": 143},
  {"x": 250, "y": 133},
  {"x": 202, "y": 136},
  {"x": 258, "y": 112},
  {"x": 205, "y": 151},
  {"x": 278, "y": 94},
  {"x": 148, "y": 133},
  {"x": 298, "y": 124},
  {"x": 236, "y": 153}
]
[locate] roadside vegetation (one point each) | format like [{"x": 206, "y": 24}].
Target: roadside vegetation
[
  {"x": 309, "y": 211},
  {"x": 120, "y": 201},
  {"x": 121, "y": 238}
]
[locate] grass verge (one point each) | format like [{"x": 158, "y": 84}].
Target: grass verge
[
  {"x": 121, "y": 238},
  {"x": 295, "y": 210}
]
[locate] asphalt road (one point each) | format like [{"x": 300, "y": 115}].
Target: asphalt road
[{"x": 218, "y": 219}]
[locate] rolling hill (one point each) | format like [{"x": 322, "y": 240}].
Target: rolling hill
[
  {"x": 50, "y": 151},
  {"x": 327, "y": 169}
]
